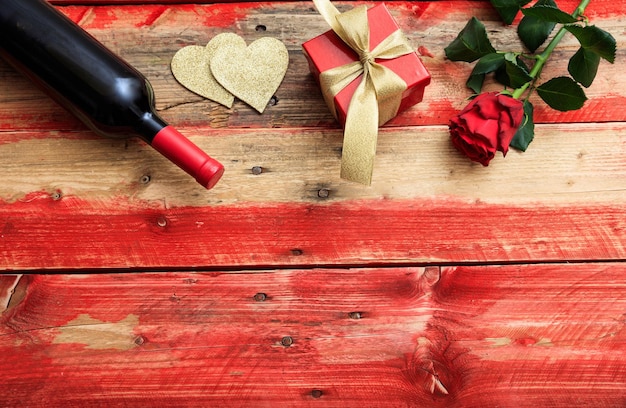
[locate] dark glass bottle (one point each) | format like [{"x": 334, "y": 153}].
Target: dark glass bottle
[{"x": 106, "y": 93}]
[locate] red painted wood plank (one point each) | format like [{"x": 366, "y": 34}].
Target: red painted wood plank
[
  {"x": 507, "y": 336},
  {"x": 44, "y": 232}
]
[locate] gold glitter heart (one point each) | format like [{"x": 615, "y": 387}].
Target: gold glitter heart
[
  {"x": 251, "y": 73},
  {"x": 191, "y": 68}
]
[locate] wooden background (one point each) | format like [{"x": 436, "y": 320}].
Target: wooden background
[{"x": 443, "y": 284}]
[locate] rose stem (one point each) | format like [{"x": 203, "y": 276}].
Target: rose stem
[{"x": 543, "y": 57}]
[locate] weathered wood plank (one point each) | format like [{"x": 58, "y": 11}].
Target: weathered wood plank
[
  {"x": 427, "y": 203},
  {"x": 572, "y": 163},
  {"x": 508, "y": 336},
  {"x": 149, "y": 35}
]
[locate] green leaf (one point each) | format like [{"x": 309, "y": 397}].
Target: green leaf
[
  {"x": 583, "y": 66},
  {"x": 508, "y": 9},
  {"x": 518, "y": 76},
  {"x": 501, "y": 75},
  {"x": 596, "y": 40},
  {"x": 534, "y": 31},
  {"x": 526, "y": 131},
  {"x": 562, "y": 94},
  {"x": 549, "y": 13},
  {"x": 486, "y": 64},
  {"x": 471, "y": 43},
  {"x": 475, "y": 82},
  {"x": 489, "y": 63}
]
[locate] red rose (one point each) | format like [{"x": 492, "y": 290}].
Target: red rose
[{"x": 486, "y": 125}]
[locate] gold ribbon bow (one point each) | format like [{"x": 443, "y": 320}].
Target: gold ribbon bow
[{"x": 377, "y": 97}]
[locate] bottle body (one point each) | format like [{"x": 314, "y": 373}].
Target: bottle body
[{"x": 103, "y": 91}]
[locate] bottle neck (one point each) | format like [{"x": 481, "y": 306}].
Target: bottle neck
[
  {"x": 178, "y": 149},
  {"x": 149, "y": 125}
]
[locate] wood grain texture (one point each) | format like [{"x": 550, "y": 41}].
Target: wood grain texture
[
  {"x": 508, "y": 336},
  {"x": 444, "y": 284}
]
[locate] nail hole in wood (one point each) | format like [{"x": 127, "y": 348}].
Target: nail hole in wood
[
  {"x": 287, "y": 341},
  {"x": 317, "y": 393},
  {"x": 260, "y": 27},
  {"x": 139, "y": 340},
  {"x": 273, "y": 101},
  {"x": 256, "y": 170},
  {"x": 161, "y": 222},
  {"x": 323, "y": 193},
  {"x": 56, "y": 195},
  {"x": 297, "y": 252},
  {"x": 260, "y": 297},
  {"x": 355, "y": 315},
  {"x": 145, "y": 179}
]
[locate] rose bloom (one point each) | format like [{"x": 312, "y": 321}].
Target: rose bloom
[{"x": 486, "y": 125}]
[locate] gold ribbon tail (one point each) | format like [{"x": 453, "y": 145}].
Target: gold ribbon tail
[{"x": 360, "y": 136}]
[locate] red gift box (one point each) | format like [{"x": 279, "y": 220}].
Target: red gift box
[{"x": 328, "y": 51}]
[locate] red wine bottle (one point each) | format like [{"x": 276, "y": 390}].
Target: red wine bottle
[{"x": 103, "y": 91}]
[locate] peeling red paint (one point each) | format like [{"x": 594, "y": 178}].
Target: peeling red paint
[
  {"x": 227, "y": 15},
  {"x": 425, "y": 52},
  {"x": 152, "y": 16},
  {"x": 223, "y": 15}
]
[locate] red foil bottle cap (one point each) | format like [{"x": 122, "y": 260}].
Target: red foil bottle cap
[{"x": 189, "y": 157}]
